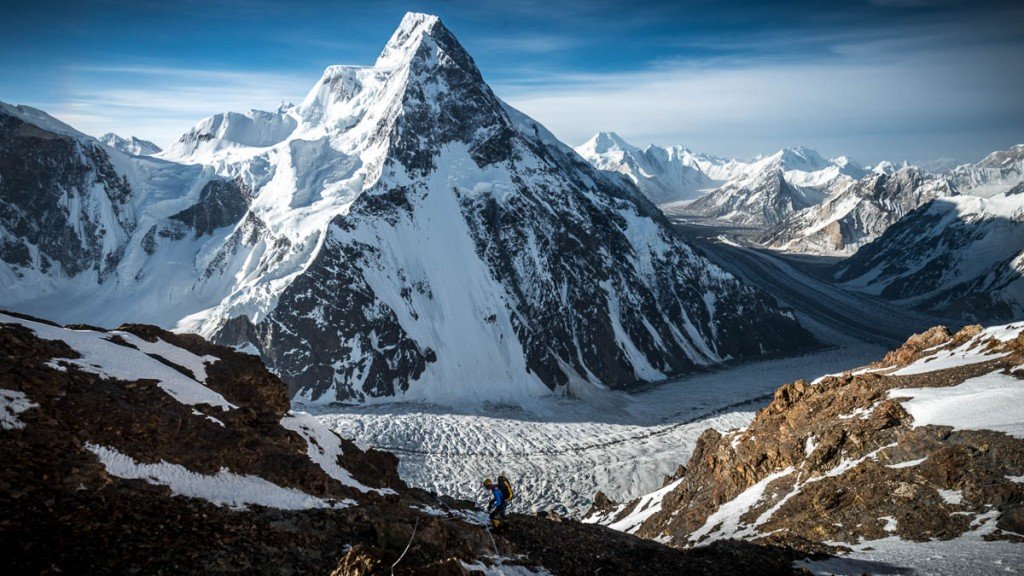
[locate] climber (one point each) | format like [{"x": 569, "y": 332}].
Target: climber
[{"x": 501, "y": 493}]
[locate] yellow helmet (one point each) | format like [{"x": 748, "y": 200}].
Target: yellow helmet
[{"x": 487, "y": 481}]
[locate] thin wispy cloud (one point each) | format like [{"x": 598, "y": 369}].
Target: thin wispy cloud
[{"x": 530, "y": 43}]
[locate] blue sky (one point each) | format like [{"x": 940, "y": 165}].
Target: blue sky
[{"x": 882, "y": 79}]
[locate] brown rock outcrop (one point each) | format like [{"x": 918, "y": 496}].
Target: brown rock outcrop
[{"x": 839, "y": 460}]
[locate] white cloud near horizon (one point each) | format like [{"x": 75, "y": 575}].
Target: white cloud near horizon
[
  {"x": 916, "y": 106},
  {"x": 160, "y": 103}
]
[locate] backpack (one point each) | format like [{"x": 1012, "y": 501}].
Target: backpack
[{"x": 506, "y": 488}]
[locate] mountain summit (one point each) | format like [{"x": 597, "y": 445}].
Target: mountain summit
[{"x": 401, "y": 232}]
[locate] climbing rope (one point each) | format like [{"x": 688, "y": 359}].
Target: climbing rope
[
  {"x": 492, "y": 541},
  {"x": 416, "y": 525}
]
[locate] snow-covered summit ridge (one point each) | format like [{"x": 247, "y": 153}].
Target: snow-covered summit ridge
[
  {"x": 130, "y": 145},
  {"x": 37, "y": 117},
  {"x": 602, "y": 143},
  {"x": 669, "y": 174},
  {"x": 406, "y": 38}
]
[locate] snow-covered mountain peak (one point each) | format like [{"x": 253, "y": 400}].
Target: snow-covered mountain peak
[
  {"x": 335, "y": 99},
  {"x": 663, "y": 174},
  {"x": 799, "y": 158},
  {"x": 995, "y": 174},
  {"x": 37, "y": 117},
  {"x": 407, "y": 38},
  {"x": 849, "y": 166},
  {"x": 318, "y": 242},
  {"x": 1003, "y": 158},
  {"x": 130, "y": 145},
  {"x": 603, "y": 143},
  {"x": 255, "y": 128}
]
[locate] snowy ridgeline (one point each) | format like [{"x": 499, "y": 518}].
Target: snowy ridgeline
[
  {"x": 991, "y": 402},
  {"x": 802, "y": 202},
  {"x": 123, "y": 357},
  {"x": 956, "y": 256}
]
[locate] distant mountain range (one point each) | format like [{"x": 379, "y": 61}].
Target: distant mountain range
[
  {"x": 957, "y": 256},
  {"x": 800, "y": 201}
]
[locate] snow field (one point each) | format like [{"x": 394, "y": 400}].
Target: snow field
[
  {"x": 967, "y": 554},
  {"x": 989, "y": 402},
  {"x": 324, "y": 448},
  {"x": 223, "y": 488},
  {"x": 109, "y": 360}
]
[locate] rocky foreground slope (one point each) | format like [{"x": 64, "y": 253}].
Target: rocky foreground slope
[
  {"x": 927, "y": 444},
  {"x": 141, "y": 451}
]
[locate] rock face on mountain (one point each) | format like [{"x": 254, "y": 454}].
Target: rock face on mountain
[
  {"x": 770, "y": 189},
  {"x": 64, "y": 208},
  {"x": 958, "y": 257},
  {"x": 663, "y": 174},
  {"x": 856, "y": 214},
  {"x": 130, "y": 145},
  {"x": 926, "y": 444},
  {"x": 400, "y": 232},
  {"x": 141, "y": 451}
]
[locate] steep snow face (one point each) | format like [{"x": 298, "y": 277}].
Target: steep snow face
[
  {"x": 130, "y": 145},
  {"x": 769, "y": 189},
  {"x": 959, "y": 256},
  {"x": 663, "y": 175},
  {"x": 856, "y": 213},
  {"x": 403, "y": 233}
]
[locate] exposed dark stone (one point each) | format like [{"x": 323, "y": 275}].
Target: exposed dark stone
[
  {"x": 43, "y": 177},
  {"x": 221, "y": 203}
]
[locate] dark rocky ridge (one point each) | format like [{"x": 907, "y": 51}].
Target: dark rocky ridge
[
  {"x": 61, "y": 511},
  {"x": 221, "y": 203}
]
